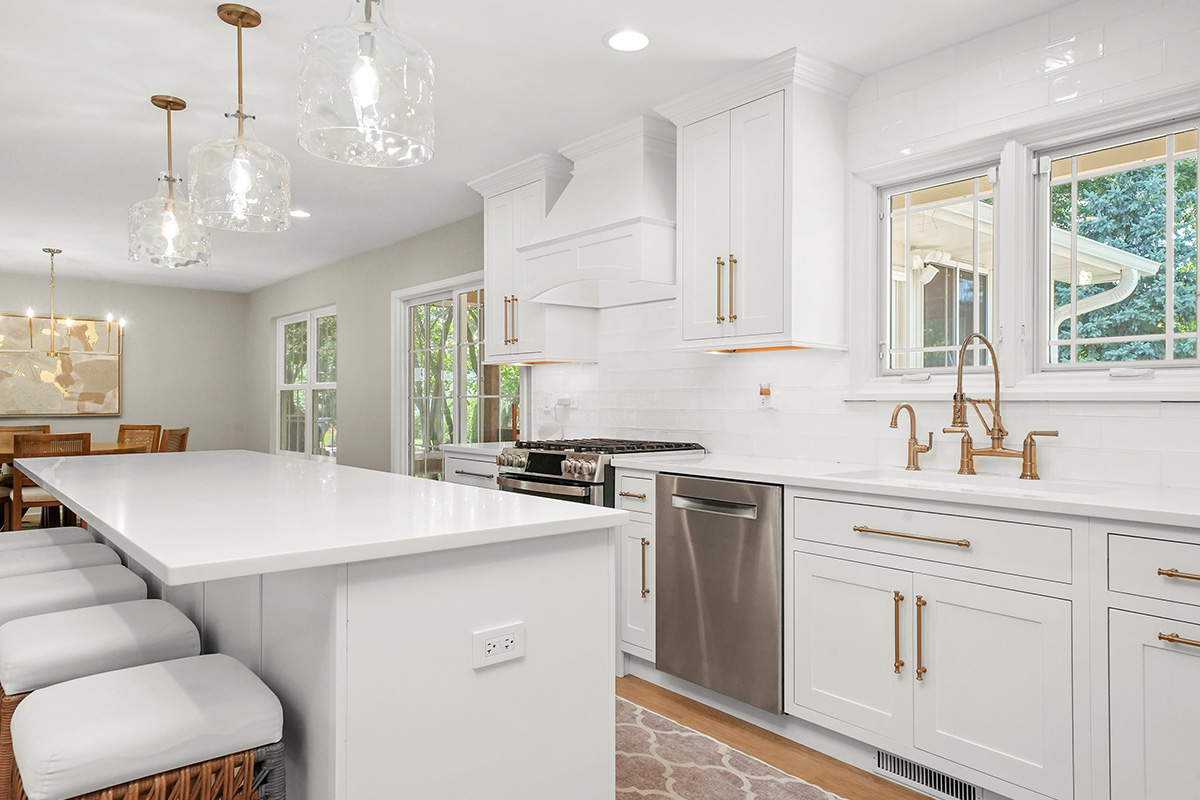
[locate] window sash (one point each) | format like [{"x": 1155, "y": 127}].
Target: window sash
[{"x": 309, "y": 387}]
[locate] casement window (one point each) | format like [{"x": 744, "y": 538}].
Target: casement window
[
  {"x": 306, "y": 386},
  {"x": 450, "y": 395},
  {"x": 1119, "y": 239},
  {"x": 940, "y": 271}
]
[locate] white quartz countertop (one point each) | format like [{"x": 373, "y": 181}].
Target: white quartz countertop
[
  {"x": 201, "y": 516},
  {"x": 477, "y": 450},
  {"x": 1153, "y": 505}
]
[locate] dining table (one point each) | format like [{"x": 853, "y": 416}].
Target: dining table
[{"x": 98, "y": 449}]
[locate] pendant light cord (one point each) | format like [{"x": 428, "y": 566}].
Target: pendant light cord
[
  {"x": 170, "y": 164},
  {"x": 241, "y": 113}
]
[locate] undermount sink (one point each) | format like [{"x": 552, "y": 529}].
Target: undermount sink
[{"x": 952, "y": 481}]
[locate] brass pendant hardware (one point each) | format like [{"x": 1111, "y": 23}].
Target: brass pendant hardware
[
  {"x": 934, "y": 539},
  {"x": 645, "y": 588},
  {"x": 732, "y": 261},
  {"x": 1174, "y": 573},
  {"x": 898, "y": 598},
  {"x": 634, "y": 496},
  {"x": 507, "y": 300},
  {"x": 514, "y": 318},
  {"x": 240, "y": 17},
  {"x": 1175, "y": 638},
  {"x": 920, "y": 653},
  {"x": 720, "y": 316}
]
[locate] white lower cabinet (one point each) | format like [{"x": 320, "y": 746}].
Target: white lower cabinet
[
  {"x": 994, "y": 664},
  {"x": 1154, "y": 697},
  {"x": 637, "y": 589}
]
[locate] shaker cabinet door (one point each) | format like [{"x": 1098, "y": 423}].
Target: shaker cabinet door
[
  {"x": 637, "y": 584},
  {"x": 500, "y": 257},
  {"x": 852, "y": 656},
  {"x": 1154, "y": 707},
  {"x": 996, "y": 694},
  {"x": 528, "y": 327},
  {"x": 704, "y": 225},
  {"x": 756, "y": 299}
]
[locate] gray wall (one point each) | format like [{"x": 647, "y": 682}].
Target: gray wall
[
  {"x": 183, "y": 358},
  {"x": 361, "y": 289}
]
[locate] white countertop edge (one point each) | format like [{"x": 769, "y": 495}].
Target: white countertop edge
[
  {"x": 477, "y": 449},
  {"x": 603, "y": 519},
  {"x": 1125, "y": 503}
]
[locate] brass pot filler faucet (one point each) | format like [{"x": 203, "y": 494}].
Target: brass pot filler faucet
[{"x": 995, "y": 429}]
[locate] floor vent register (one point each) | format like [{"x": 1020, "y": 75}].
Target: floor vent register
[{"x": 939, "y": 784}]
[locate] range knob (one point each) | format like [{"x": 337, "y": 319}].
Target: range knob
[
  {"x": 588, "y": 468},
  {"x": 569, "y": 466},
  {"x": 520, "y": 460}
]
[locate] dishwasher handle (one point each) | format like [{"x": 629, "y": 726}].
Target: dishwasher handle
[{"x": 709, "y": 506}]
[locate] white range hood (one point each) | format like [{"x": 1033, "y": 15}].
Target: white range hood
[{"x": 610, "y": 238}]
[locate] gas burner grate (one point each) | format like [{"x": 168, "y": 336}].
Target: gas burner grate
[{"x": 612, "y": 446}]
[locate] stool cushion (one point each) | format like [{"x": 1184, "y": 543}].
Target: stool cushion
[
  {"x": 27, "y": 595},
  {"x": 41, "y": 651},
  {"x": 41, "y": 537},
  {"x": 55, "y": 558},
  {"x": 33, "y": 494},
  {"x": 104, "y": 730}
]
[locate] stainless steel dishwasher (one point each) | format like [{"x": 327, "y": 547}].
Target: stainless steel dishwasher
[{"x": 719, "y": 614}]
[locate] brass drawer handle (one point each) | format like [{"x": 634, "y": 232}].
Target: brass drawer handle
[
  {"x": 955, "y": 542},
  {"x": 898, "y": 599},
  {"x": 720, "y": 316},
  {"x": 634, "y": 496},
  {"x": 920, "y": 654},
  {"x": 1175, "y": 638},
  {"x": 1174, "y": 573},
  {"x": 645, "y": 588}
]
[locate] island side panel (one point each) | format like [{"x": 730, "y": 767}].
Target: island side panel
[
  {"x": 304, "y": 663},
  {"x": 421, "y": 722}
]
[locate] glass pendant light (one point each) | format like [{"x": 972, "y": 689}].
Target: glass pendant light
[
  {"x": 240, "y": 184},
  {"x": 366, "y": 92},
  {"x": 162, "y": 229}
]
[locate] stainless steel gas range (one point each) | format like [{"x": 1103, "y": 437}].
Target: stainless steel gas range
[{"x": 578, "y": 470}]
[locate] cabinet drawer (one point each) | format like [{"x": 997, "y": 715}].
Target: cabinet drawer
[
  {"x": 1016, "y": 548},
  {"x": 635, "y": 493},
  {"x": 1135, "y": 566},
  {"x": 470, "y": 472}
]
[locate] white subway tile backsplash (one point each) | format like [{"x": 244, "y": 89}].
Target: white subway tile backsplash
[
  {"x": 1148, "y": 27},
  {"x": 994, "y": 46},
  {"x": 1086, "y": 14},
  {"x": 1005, "y": 102},
  {"x": 1181, "y": 51},
  {"x": 918, "y": 72},
  {"x": 1079, "y": 48},
  {"x": 1109, "y": 72}
]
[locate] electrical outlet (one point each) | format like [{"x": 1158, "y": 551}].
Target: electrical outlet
[
  {"x": 497, "y": 645},
  {"x": 567, "y": 402}
]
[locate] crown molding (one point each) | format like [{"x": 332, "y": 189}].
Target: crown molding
[
  {"x": 543, "y": 165},
  {"x": 643, "y": 129},
  {"x": 785, "y": 69}
]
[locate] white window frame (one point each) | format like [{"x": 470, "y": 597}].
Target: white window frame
[
  {"x": 1021, "y": 331},
  {"x": 307, "y": 387},
  {"x": 402, "y": 301}
]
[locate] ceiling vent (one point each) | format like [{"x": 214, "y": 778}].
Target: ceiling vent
[
  {"x": 930, "y": 781},
  {"x": 610, "y": 238}
]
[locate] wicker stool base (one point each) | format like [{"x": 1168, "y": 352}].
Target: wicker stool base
[
  {"x": 8, "y": 766},
  {"x": 250, "y": 775}
]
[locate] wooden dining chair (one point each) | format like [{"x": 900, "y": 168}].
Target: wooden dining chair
[
  {"x": 146, "y": 435},
  {"x": 7, "y": 432},
  {"x": 174, "y": 440},
  {"x": 25, "y": 493}
]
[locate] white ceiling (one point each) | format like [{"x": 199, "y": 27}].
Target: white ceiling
[{"x": 79, "y": 140}]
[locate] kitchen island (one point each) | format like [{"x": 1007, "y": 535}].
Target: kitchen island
[{"x": 356, "y": 595}]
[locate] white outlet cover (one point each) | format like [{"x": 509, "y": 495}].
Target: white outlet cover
[{"x": 480, "y": 639}]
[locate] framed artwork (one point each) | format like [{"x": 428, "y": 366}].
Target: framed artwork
[{"x": 59, "y": 368}]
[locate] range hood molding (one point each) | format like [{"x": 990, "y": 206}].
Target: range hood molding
[{"x": 610, "y": 239}]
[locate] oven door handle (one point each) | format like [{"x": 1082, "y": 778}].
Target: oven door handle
[{"x": 545, "y": 488}]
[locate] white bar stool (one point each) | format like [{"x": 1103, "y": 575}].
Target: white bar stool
[
  {"x": 42, "y": 537},
  {"x": 55, "y": 558},
  {"x": 204, "y": 728},
  {"x": 43, "y": 650},
  {"x": 29, "y": 595}
]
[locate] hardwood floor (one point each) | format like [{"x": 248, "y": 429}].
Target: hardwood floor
[{"x": 809, "y": 765}]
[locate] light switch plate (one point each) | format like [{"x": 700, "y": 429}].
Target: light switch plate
[{"x": 497, "y": 645}]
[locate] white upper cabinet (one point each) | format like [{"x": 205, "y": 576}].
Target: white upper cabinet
[
  {"x": 761, "y": 195},
  {"x": 516, "y": 329}
]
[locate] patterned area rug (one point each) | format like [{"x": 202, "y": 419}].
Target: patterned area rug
[{"x": 660, "y": 758}]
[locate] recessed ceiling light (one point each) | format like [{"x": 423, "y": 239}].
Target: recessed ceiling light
[
  {"x": 627, "y": 41},
  {"x": 300, "y": 214}
]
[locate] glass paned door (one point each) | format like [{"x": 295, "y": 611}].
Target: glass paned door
[{"x": 307, "y": 385}]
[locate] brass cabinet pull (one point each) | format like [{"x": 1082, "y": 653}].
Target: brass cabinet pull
[
  {"x": 1174, "y": 573},
  {"x": 732, "y": 261},
  {"x": 645, "y": 588},
  {"x": 920, "y": 655},
  {"x": 1175, "y": 638},
  {"x": 720, "y": 264},
  {"x": 635, "y": 496},
  {"x": 514, "y": 319},
  {"x": 936, "y": 540},
  {"x": 507, "y": 300},
  {"x": 898, "y": 599}
]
